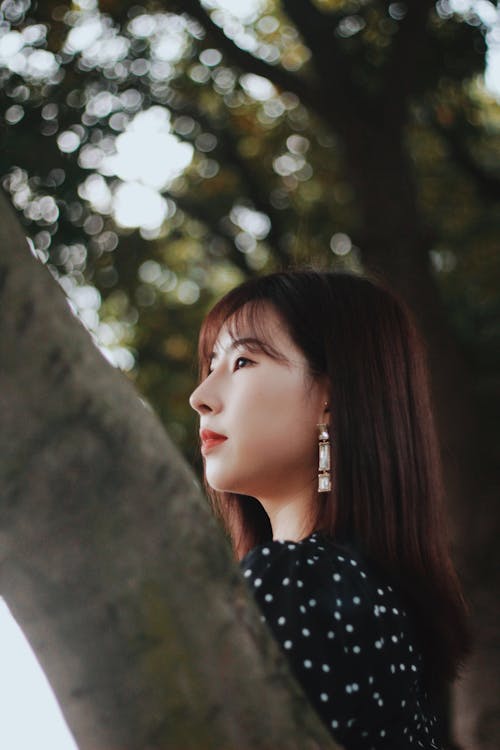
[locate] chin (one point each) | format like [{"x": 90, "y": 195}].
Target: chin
[{"x": 222, "y": 484}]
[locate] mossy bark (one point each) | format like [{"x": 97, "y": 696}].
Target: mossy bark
[{"x": 110, "y": 559}]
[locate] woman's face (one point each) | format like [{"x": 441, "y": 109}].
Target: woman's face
[{"x": 267, "y": 409}]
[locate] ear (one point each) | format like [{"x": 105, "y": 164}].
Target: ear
[
  {"x": 325, "y": 396},
  {"x": 326, "y": 418}
]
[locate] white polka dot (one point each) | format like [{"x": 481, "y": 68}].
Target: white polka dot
[
  {"x": 337, "y": 577},
  {"x": 324, "y": 697},
  {"x": 353, "y": 563},
  {"x": 285, "y": 581},
  {"x": 291, "y": 546},
  {"x": 268, "y": 597},
  {"x": 247, "y": 573},
  {"x": 325, "y": 667},
  {"x": 396, "y": 611},
  {"x": 281, "y": 620},
  {"x": 307, "y": 663},
  {"x": 312, "y": 602},
  {"x": 302, "y": 609},
  {"x": 306, "y": 632},
  {"x": 288, "y": 645},
  {"x": 378, "y": 644},
  {"x": 349, "y": 628},
  {"x": 337, "y": 615},
  {"x": 356, "y": 649},
  {"x": 334, "y": 724},
  {"x": 330, "y": 634},
  {"x": 402, "y": 667},
  {"x": 363, "y": 575},
  {"x": 265, "y": 551},
  {"x": 257, "y": 582},
  {"x": 393, "y": 668},
  {"x": 356, "y": 600},
  {"x": 380, "y": 592},
  {"x": 394, "y": 638},
  {"x": 370, "y": 680},
  {"x": 300, "y": 583}
]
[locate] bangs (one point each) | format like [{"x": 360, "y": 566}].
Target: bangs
[{"x": 244, "y": 318}]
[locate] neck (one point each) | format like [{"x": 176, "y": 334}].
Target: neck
[{"x": 291, "y": 518}]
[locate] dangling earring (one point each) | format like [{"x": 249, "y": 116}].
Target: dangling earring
[{"x": 324, "y": 479}]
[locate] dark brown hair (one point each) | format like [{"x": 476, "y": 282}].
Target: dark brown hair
[{"x": 387, "y": 490}]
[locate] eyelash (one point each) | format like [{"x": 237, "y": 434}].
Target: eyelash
[
  {"x": 244, "y": 358},
  {"x": 235, "y": 362}
]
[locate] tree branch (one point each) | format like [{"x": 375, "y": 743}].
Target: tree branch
[
  {"x": 99, "y": 507},
  {"x": 308, "y": 93}
]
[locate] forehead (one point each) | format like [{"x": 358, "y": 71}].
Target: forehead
[{"x": 266, "y": 326}]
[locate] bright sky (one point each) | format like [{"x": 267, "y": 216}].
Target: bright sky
[{"x": 31, "y": 718}]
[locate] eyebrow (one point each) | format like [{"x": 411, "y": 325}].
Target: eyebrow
[{"x": 249, "y": 341}]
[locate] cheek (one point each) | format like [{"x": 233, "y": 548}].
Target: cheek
[
  {"x": 287, "y": 443},
  {"x": 273, "y": 435},
  {"x": 280, "y": 418}
]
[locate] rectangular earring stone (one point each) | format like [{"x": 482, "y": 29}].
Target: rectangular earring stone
[
  {"x": 324, "y": 457},
  {"x": 324, "y": 484}
]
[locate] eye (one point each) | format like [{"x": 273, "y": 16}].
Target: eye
[{"x": 244, "y": 360}]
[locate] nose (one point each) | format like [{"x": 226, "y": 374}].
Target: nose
[{"x": 203, "y": 399}]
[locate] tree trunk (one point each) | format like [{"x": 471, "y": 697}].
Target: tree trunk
[{"x": 111, "y": 561}]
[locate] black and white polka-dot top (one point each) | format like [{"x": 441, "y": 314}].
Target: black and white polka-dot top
[{"x": 349, "y": 641}]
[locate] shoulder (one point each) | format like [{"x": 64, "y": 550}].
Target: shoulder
[
  {"x": 342, "y": 624},
  {"x": 317, "y": 557},
  {"x": 334, "y": 574}
]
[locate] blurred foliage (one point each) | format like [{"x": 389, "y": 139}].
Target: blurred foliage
[{"x": 264, "y": 183}]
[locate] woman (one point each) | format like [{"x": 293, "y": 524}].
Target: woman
[{"x": 321, "y": 459}]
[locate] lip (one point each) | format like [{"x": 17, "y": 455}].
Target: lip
[{"x": 210, "y": 440}]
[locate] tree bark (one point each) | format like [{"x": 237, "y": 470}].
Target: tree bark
[{"x": 111, "y": 561}]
